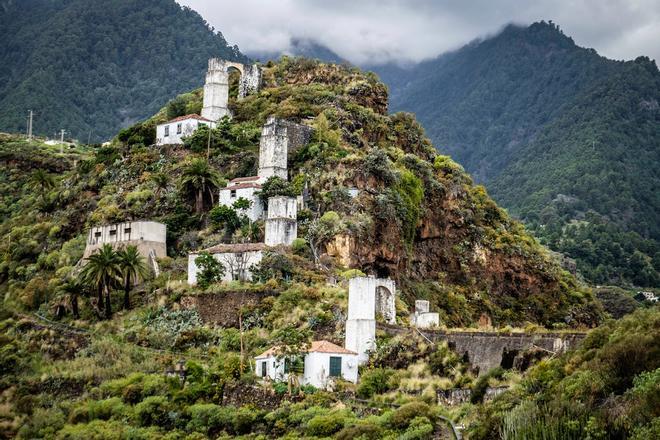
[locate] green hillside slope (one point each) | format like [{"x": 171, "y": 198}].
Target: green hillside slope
[
  {"x": 565, "y": 139},
  {"x": 98, "y": 65}
]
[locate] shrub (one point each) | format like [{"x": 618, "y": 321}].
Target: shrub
[
  {"x": 209, "y": 418},
  {"x": 153, "y": 411},
  {"x": 479, "y": 388},
  {"x": 375, "y": 381},
  {"x": 403, "y": 416},
  {"x": 420, "y": 428},
  {"x": 361, "y": 431},
  {"x": 224, "y": 217},
  {"x": 245, "y": 419},
  {"x": 326, "y": 425},
  {"x": 211, "y": 270}
]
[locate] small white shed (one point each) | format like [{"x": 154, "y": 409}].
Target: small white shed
[
  {"x": 246, "y": 188},
  {"x": 323, "y": 363},
  {"x": 173, "y": 132}
]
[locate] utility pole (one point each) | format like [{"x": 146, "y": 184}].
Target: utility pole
[
  {"x": 30, "y": 115},
  {"x": 62, "y": 141}
]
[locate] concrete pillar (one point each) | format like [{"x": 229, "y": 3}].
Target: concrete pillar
[
  {"x": 281, "y": 221},
  {"x": 216, "y": 90}
]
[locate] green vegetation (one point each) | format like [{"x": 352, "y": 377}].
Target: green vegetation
[
  {"x": 93, "y": 67},
  {"x": 563, "y": 138},
  {"x": 607, "y": 388},
  {"x": 157, "y": 370}
]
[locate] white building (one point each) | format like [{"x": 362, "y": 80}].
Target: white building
[
  {"x": 243, "y": 187},
  {"x": 150, "y": 238},
  {"x": 422, "y": 317},
  {"x": 324, "y": 362},
  {"x": 237, "y": 259},
  {"x": 173, "y": 132}
]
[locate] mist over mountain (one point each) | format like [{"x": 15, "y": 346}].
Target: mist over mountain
[{"x": 94, "y": 66}]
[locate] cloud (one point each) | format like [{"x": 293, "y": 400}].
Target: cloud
[{"x": 378, "y": 31}]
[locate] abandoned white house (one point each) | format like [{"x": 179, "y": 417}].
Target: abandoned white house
[
  {"x": 173, "y": 132},
  {"x": 237, "y": 259},
  {"x": 150, "y": 238},
  {"x": 243, "y": 188},
  {"x": 322, "y": 364},
  {"x": 368, "y": 298}
]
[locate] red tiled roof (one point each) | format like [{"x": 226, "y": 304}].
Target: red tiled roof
[
  {"x": 241, "y": 186},
  {"x": 191, "y": 116},
  {"x": 316, "y": 347},
  {"x": 244, "y": 179}
]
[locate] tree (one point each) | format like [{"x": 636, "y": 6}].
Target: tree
[
  {"x": 133, "y": 268},
  {"x": 276, "y": 186},
  {"x": 224, "y": 217},
  {"x": 292, "y": 343},
  {"x": 320, "y": 231},
  {"x": 200, "y": 178},
  {"x": 73, "y": 289},
  {"x": 102, "y": 270},
  {"x": 210, "y": 270},
  {"x": 161, "y": 181},
  {"x": 43, "y": 181}
]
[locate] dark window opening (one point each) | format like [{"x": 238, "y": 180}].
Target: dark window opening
[
  {"x": 178, "y": 128},
  {"x": 167, "y": 130},
  {"x": 232, "y": 193},
  {"x": 508, "y": 358},
  {"x": 127, "y": 230},
  {"x": 335, "y": 366},
  {"x": 97, "y": 234},
  {"x": 264, "y": 368},
  {"x": 113, "y": 232}
]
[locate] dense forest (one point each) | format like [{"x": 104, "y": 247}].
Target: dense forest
[
  {"x": 563, "y": 138},
  {"x": 93, "y": 66}
]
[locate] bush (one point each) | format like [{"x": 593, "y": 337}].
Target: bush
[
  {"x": 479, "y": 388},
  {"x": 362, "y": 431},
  {"x": 375, "y": 381},
  {"x": 403, "y": 416},
  {"x": 210, "y": 270},
  {"x": 153, "y": 411},
  {"x": 326, "y": 425},
  {"x": 420, "y": 428},
  {"x": 209, "y": 418}
]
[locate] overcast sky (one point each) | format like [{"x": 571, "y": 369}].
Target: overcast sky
[{"x": 374, "y": 31}]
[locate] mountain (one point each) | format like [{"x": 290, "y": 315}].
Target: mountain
[
  {"x": 565, "y": 139},
  {"x": 94, "y": 66},
  {"x": 300, "y": 47}
]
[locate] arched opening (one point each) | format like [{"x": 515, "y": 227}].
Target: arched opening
[
  {"x": 234, "y": 75},
  {"x": 508, "y": 358}
]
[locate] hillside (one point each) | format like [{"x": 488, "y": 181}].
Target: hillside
[
  {"x": 417, "y": 218},
  {"x": 95, "y": 66},
  {"x": 565, "y": 139}
]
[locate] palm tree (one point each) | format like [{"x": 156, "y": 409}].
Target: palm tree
[
  {"x": 43, "y": 180},
  {"x": 199, "y": 178},
  {"x": 161, "y": 181},
  {"x": 102, "y": 271},
  {"x": 73, "y": 289},
  {"x": 133, "y": 268}
]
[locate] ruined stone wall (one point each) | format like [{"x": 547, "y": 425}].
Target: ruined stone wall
[
  {"x": 487, "y": 350},
  {"x": 222, "y": 308},
  {"x": 250, "y": 80},
  {"x": 458, "y": 396},
  {"x": 281, "y": 222},
  {"x": 279, "y": 140}
]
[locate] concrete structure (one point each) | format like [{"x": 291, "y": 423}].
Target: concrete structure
[
  {"x": 324, "y": 362},
  {"x": 279, "y": 139},
  {"x": 237, "y": 259},
  {"x": 243, "y": 187},
  {"x": 150, "y": 238},
  {"x": 173, "y": 132},
  {"x": 422, "y": 318},
  {"x": 282, "y": 221},
  {"x": 216, "y": 88},
  {"x": 368, "y": 298}
]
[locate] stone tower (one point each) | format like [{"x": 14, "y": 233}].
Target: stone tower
[
  {"x": 282, "y": 221},
  {"x": 216, "y": 88},
  {"x": 279, "y": 138}
]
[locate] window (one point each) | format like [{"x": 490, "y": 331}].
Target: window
[
  {"x": 178, "y": 128},
  {"x": 127, "y": 230},
  {"x": 167, "y": 130},
  {"x": 232, "y": 193},
  {"x": 335, "y": 366},
  {"x": 97, "y": 234},
  {"x": 113, "y": 232},
  {"x": 264, "y": 368}
]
